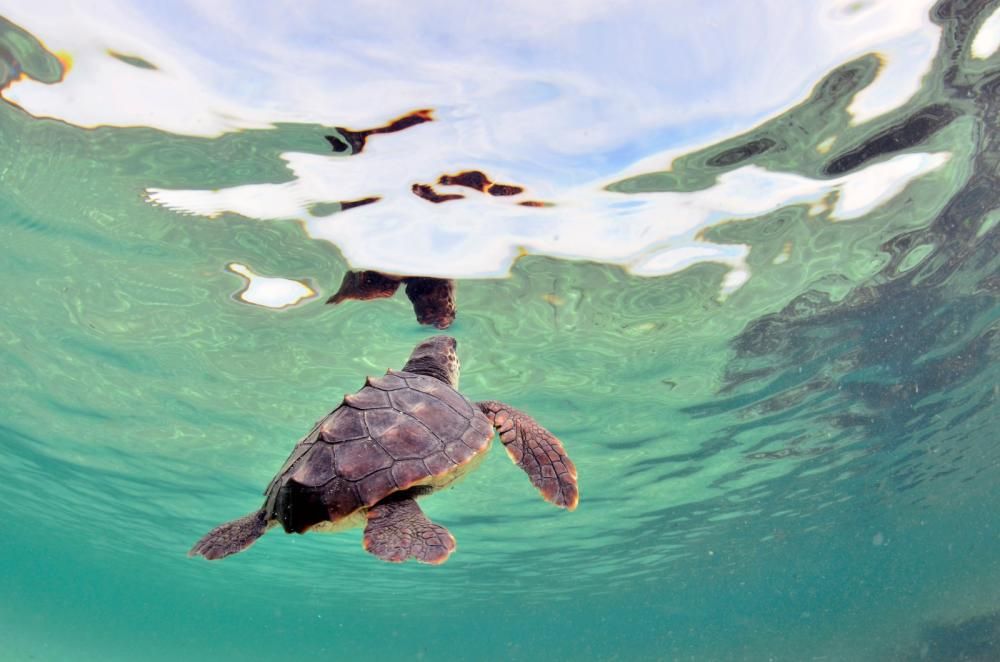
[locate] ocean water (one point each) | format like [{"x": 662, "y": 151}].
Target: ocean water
[{"x": 766, "y": 330}]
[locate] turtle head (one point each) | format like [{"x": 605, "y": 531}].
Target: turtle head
[{"x": 436, "y": 357}]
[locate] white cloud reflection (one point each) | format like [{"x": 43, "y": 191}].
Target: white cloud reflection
[
  {"x": 650, "y": 233},
  {"x": 269, "y": 292},
  {"x": 560, "y": 97},
  {"x": 987, "y": 40}
]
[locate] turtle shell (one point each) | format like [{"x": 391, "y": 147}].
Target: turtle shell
[{"x": 399, "y": 431}]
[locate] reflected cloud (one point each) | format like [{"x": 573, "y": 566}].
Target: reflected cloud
[
  {"x": 650, "y": 233},
  {"x": 269, "y": 292},
  {"x": 987, "y": 40}
]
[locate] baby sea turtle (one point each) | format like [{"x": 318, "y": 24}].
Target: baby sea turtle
[{"x": 402, "y": 436}]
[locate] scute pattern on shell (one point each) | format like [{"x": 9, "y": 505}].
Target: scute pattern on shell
[{"x": 396, "y": 431}]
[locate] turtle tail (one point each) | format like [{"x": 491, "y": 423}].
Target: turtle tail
[{"x": 231, "y": 537}]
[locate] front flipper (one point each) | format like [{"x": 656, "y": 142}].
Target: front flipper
[
  {"x": 537, "y": 451},
  {"x": 398, "y": 530}
]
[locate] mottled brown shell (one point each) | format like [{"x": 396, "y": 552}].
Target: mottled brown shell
[{"x": 399, "y": 430}]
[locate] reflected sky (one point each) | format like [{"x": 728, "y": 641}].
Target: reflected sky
[{"x": 561, "y": 98}]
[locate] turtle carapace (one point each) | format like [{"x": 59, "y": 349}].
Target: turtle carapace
[{"x": 402, "y": 436}]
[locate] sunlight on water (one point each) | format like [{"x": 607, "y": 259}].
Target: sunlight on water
[{"x": 743, "y": 259}]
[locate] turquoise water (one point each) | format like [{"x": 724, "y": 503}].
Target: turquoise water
[{"x": 798, "y": 465}]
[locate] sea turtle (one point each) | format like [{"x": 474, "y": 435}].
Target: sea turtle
[{"x": 402, "y": 436}]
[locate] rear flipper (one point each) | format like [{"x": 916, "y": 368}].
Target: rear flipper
[
  {"x": 231, "y": 537},
  {"x": 398, "y": 530},
  {"x": 537, "y": 451}
]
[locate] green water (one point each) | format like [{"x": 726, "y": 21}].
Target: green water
[{"x": 806, "y": 469}]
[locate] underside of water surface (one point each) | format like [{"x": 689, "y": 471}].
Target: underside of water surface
[{"x": 743, "y": 261}]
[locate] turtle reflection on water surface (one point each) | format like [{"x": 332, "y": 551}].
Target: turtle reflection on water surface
[
  {"x": 433, "y": 298},
  {"x": 402, "y": 436}
]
